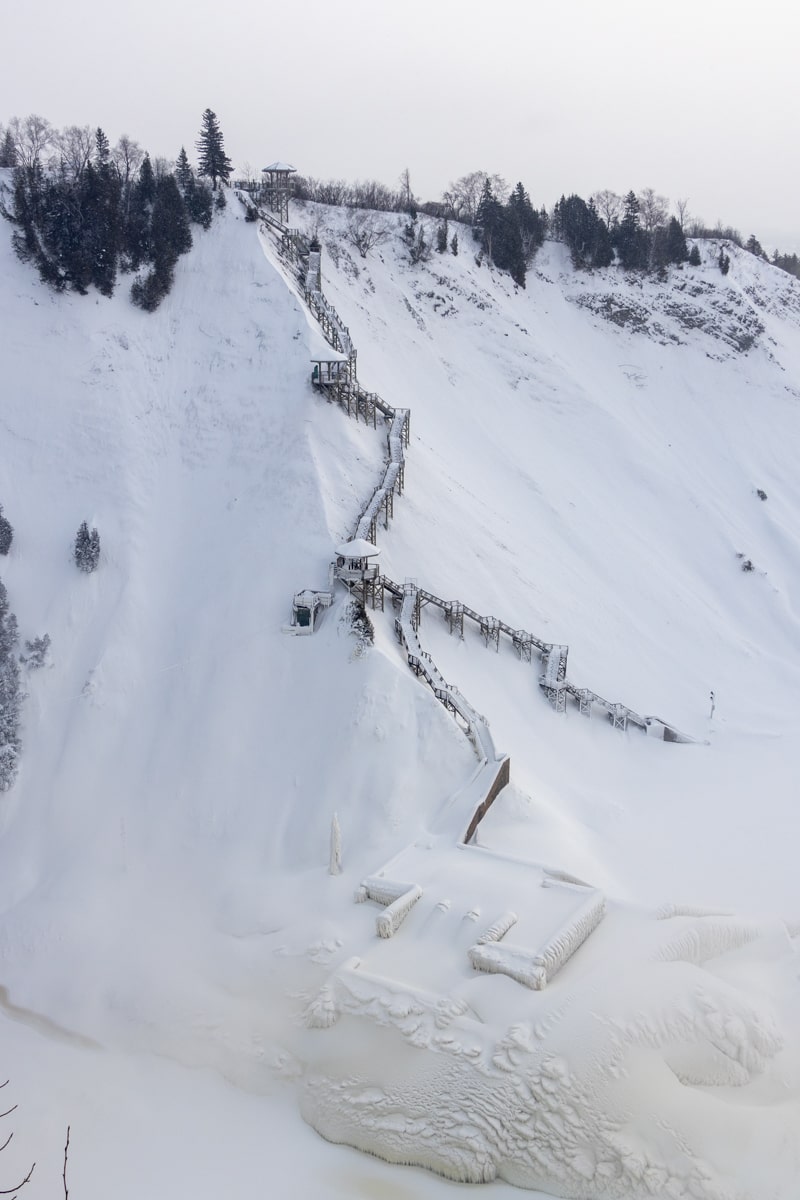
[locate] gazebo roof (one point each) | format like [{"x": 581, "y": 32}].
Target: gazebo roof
[
  {"x": 279, "y": 166},
  {"x": 358, "y": 548}
]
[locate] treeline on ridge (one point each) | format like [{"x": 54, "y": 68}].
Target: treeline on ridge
[{"x": 636, "y": 231}]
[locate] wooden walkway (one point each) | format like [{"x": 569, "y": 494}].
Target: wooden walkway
[{"x": 295, "y": 249}]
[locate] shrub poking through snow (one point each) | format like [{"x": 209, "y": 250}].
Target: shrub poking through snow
[
  {"x": 361, "y": 626},
  {"x": 10, "y": 695},
  {"x": 87, "y": 548},
  {"x": 36, "y": 653},
  {"x": 6, "y": 533},
  {"x": 762, "y": 495}
]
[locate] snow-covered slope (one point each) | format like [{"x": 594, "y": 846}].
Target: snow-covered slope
[
  {"x": 596, "y": 485},
  {"x": 164, "y": 852}
]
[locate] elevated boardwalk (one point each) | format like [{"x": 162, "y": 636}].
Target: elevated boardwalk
[{"x": 344, "y": 388}]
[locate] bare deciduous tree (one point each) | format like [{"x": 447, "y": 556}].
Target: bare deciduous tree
[
  {"x": 13, "y": 1190},
  {"x": 653, "y": 209},
  {"x": 682, "y": 209},
  {"x": 406, "y": 194},
  {"x": 127, "y": 157},
  {"x": 365, "y": 231},
  {"x": 74, "y": 147},
  {"x": 32, "y": 136},
  {"x": 64, "y": 1172},
  {"x": 462, "y": 198},
  {"x": 369, "y": 193},
  {"x": 608, "y": 205}
]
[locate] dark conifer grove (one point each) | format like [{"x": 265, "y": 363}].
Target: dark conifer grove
[{"x": 90, "y": 213}]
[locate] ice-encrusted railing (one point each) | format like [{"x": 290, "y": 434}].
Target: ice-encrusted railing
[
  {"x": 296, "y": 249},
  {"x": 398, "y": 898},
  {"x": 536, "y": 968},
  {"x": 392, "y": 479},
  {"x": 421, "y": 663}
]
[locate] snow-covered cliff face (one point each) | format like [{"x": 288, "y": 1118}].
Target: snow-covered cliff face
[{"x": 163, "y": 861}]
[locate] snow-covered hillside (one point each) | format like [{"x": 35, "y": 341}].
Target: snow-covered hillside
[
  {"x": 164, "y": 885},
  {"x": 596, "y": 485}
]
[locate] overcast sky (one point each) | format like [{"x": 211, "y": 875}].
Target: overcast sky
[{"x": 695, "y": 99}]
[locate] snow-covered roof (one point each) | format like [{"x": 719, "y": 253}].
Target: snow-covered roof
[
  {"x": 279, "y": 166},
  {"x": 327, "y": 354},
  {"x": 358, "y": 548},
  {"x": 318, "y": 348}
]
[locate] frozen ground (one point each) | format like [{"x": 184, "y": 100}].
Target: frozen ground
[{"x": 163, "y": 891}]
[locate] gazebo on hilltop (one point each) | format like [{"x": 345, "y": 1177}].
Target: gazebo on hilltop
[{"x": 277, "y": 188}]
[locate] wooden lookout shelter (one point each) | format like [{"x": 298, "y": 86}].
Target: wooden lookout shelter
[
  {"x": 330, "y": 374},
  {"x": 277, "y": 188},
  {"x": 356, "y": 566}
]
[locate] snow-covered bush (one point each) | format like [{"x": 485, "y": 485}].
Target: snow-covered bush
[
  {"x": 87, "y": 548},
  {"x": 10, "y": 695},
  {"x": 360, "y": 624},
  {"x": 6, "y": 533},
  {"x": 36, "y": 652}
]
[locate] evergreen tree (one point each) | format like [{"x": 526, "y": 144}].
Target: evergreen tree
[
  {"x": 631, "y": 240},
  {"x": 147, "y": 180},
  {"x": 183, "y": 171},
  {"x": 87, "y": 548},
  {"x": 102, "y": 192},
  {"x": 487, "y": 218},
  {"x": 579, "y": 225},
  {"x": 137, "y": 226},
  {"x": 754, "y": 246},
  {"x": 506, "y": 246},
  {"x": 6, "y": 533},
  {"x": 454, "y": 245},
  {"x": 170, "y": 235},
  {"x": 199, "y": 204},
  {"x": 10, "y": 694},
  {"x": 214, "y": 163},
  {"x": 723, "y": 262},
  {"x": 694, "y": 255},
  {"x": 29, "y": 216},
  {"x": 528, "y": 222},
  {"x": 148, "y": 291},
  {"x": 602, "y": 249},
  {"x": 8, "y": 150},
  {"x": 102, "y": 152},
  {"x": 441, "y": 236},
  {"x": 676, "y": 249}
]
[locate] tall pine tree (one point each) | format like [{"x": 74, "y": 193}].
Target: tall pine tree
[{"x": 214, "y": 163}]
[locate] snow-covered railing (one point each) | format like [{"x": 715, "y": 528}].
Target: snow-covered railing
[
  {"x": 399, "y": 899},
  {"x": 392, "y": 480},
  {"x": 476, "y": 726},
  {"x": 536, "y": 968},
  {"x": 313, "y": 272},
  {"x": 498, "y": 929}
]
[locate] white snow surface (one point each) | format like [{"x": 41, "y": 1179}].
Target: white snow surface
[{"x": 181, "y": 974}]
